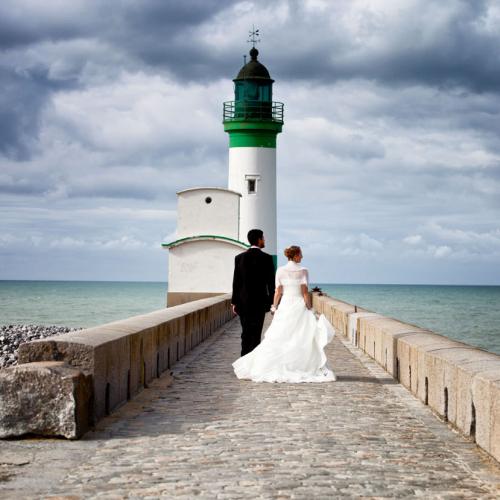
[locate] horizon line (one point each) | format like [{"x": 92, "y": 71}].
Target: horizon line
[{"x": 311, "y": 284}]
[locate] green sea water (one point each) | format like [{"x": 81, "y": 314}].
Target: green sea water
[
  {"x": 467, "y": 313},
  {"x": 77, "y": 303},
  {"x": 470, "y": 314}
]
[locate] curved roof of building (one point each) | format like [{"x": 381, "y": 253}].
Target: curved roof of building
[
  {"x": 253, "y": 69},
  {"x": 206, "y": 237},
  {"x": 208, "y": 189}
]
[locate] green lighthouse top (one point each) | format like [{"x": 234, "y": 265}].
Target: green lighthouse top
[
  {"x": 254, "y": 69},
  {"x": 253, "y": 107}
]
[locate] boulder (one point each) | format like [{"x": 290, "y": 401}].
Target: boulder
[{"x": 48, "y": 398}]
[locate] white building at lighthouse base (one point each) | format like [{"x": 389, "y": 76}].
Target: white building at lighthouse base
[{"x": 207, "y": 240}]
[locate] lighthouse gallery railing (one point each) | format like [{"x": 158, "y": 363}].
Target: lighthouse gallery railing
[{"x": 253, "y": 111}]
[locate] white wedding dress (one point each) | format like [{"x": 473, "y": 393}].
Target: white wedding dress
[{"x": 293, "y": 346}]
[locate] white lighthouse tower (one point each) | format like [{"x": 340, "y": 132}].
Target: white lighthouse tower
[
  {"x": 253, "y": 121},
  {"x": 213, "y": 222}
]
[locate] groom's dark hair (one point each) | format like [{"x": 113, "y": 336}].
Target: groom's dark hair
[{"x": 254, "y": 235}]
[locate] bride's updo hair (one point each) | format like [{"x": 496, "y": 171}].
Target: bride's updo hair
[{"x": 292, "y": 251}]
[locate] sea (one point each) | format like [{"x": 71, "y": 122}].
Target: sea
[{"x": 470, "y": 314}]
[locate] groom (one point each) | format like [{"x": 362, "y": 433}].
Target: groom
[{"x": 253, "y": 289}]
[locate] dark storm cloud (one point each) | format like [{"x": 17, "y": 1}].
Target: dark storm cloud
[
  {"x": 169, "y": 17},
  {"x": 154, "y": 33},
  {"x": 167, "y": 36},
  {"x": 443, "y": 45},
  {"x": 21, "y": 100},
  {"x": 24, "y": 93},
  {"x": 138, "y": 22},
  {"x": 162, "y": 35},
  {"x": 307, "y": 44},
  {"x": 145, "y": 32},
  {"x": 21, "y": 26},
  {"x": 456, "y": 51}
]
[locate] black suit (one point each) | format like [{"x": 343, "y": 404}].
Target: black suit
[{"x": 253, "y": 293}]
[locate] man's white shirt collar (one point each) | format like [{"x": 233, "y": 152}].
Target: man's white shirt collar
[{"x": 253, "y": 246}]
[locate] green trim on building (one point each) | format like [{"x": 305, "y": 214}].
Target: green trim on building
[
  {"x": 230, "y": 126},
  {"x": 275, "y": 260},
  {"x": 252, "y": 140},
  {"x": 252, "y": 135},
  {"x": 204, "y": 237}
]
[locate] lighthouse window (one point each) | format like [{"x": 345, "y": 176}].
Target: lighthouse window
[
  {"x": 238, "y": 92},
  {"x": 252, "y": 91},
  {"x": 208, "y": 200},
  {"x": 251, "y": 181}
]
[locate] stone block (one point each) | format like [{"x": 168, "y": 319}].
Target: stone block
[
  {"x": 411, "y": 347},
  {"x": 353, "y": 324},
  {"x": 319, "y": 301},
  {"x": 450, "y": 370},
  {"x": 337, "y": 313},
  {"x": 66, "y": 347},
  {"x": 110, "y": 375},
  {"x": 150, "y": 343},
  {"x": 495, "y": 415},
  {"x": 164, "y": 336},
  {"x": 486, "y": 398},
  {"x": 378, "y": 337},
  {"x": 44, "y": 398},
  {"x": 479, "y": 362}
]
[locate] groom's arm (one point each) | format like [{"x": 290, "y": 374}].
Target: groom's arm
[{"x": 236, "y": 286}]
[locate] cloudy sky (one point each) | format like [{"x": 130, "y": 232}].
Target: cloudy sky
[{"x": 388, "y": 165}]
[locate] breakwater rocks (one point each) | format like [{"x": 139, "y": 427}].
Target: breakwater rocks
[{"x": 12, "y": 336}]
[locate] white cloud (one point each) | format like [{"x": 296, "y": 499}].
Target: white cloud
[
  {"x": 441, "y": 251},
  {"x": 413, "y": 239},
  {"x": 122, "y": 243},
  {"x": 7, "y": 240},
  {"x": 360, "y": 244},
  {"x": 464, "y": 236},
  {"x": 141, "y": 114}
]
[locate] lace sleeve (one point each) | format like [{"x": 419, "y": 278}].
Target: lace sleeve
[{"x": 305, "y": 277}]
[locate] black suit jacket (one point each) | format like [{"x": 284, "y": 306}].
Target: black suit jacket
[{"x": 253, "y": 281}]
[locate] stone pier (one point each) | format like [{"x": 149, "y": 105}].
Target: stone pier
[{"x": 201, "y": 433}]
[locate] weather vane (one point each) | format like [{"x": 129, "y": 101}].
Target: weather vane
[{"x": 254, "y": 36}]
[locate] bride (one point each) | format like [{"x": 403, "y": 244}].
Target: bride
[{"x": 292, "y": 350}]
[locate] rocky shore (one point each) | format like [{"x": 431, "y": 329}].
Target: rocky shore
[{"x": 12, "y": 336}]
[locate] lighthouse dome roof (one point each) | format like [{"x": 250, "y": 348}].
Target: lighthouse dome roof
[{"x": 253, "y": 69}]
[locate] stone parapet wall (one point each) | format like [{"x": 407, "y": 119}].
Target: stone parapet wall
[
  {"x": 116, "y": 360},
  {"x": 459, "y": 382},
  {"x": 336, "y": 311},
  {"x": 178, "y": 298}
]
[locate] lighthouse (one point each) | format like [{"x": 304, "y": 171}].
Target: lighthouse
[
  {"x": 253, "y": 122},
  {"x": 213, "y": 222}
]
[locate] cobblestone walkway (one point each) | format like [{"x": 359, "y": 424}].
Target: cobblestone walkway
[{"x": 208, "y": 435}]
